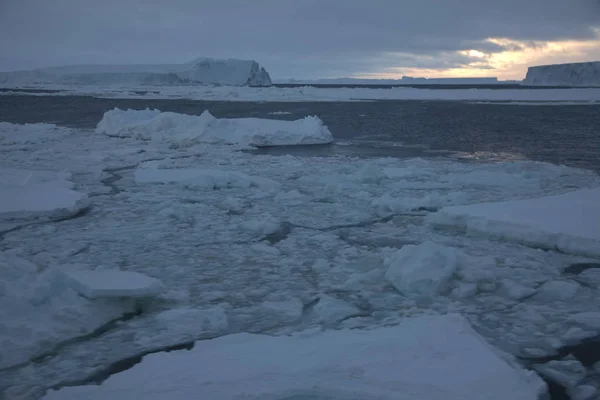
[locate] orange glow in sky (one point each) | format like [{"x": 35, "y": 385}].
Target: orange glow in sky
[{"x": 506, "y": 65}]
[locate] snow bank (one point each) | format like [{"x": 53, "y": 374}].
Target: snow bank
[
  {"x": 38, "y": 310},
  {"x": 202, "y": 178},
  {"x": 574, "y": 74},
  {"x": 568, "y": 222},
  {"x": 113, "y": 283},
  {"x": 433, "y": 358},
  {"x": 185, "y": 130},
  {"x": 34, "y": 193},
  {"x": 200, "y": 71}
]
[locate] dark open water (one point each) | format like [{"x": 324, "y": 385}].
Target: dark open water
[{"x": 560, "y": 134}]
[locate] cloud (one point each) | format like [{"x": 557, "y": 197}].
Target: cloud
[{"x": 290, "y": 37}]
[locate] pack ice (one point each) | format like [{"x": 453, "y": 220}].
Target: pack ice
[
  {"x": 200, "y": 71},
  {"x": 568, "y": 222},
  {"x": 429, "y": 358},
  {"x": 182, "y": 130}
]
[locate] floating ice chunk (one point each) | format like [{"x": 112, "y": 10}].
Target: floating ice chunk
[
  {"x": 286, "y": 311},
  {"x": 331, "y": 310},
  {"x": 183, "y": 324},
  {"x": 260, "y": 226},
  {"x": 37, "y": 192},
  {"x": 423, "y": 270},
  {"x": 568, "y": 222},
  {"x": 584, "y": 392},
  {"x": 38, "y": 310},
  {"x": 113, "y": 283},
  {"x": 429, "y": 269},
  {"x": 27, "y": 133},
  {"x": 589, "y": 319},
  {"x": 558, "y": 290},
  {"x": 491, "y": 178},
  {"x": 568, "y": 372},
  {"x": 513, "y": 290},
  {"x": 422, "y": 358},
  {"x": 293, "y": 197},
  {"x": 115, "y": 120},
  {"x": 203, "y": 178},
  {"x": 185, "y": 130}
]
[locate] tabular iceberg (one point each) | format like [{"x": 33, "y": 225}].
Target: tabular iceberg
[
  {"x": 200, "y": 71},
  {"x": 575, "y": 74}
]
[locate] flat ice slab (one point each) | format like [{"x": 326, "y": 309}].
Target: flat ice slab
[
  {"x": 568, "y": 222},
  {"x": 108, "y": 283},
  {"x": 36, "y": 191},
  {"x": 182, "y": 130},
  {"x": 426, "y": 358}
]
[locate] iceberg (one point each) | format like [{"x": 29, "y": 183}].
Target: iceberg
[
  {"x": 200, "y": 71},
  {"x": 181, "y": 130},
  {"x": 574, "y": 74},
  {"x": 429, "y": 357}
]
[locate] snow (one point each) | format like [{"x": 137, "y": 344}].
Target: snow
[
  {"x": 113, "y": 283},
  {"x": 199, "y": 71},
  {"x": 202, "y": 178},
  {"x": 246, "y": 242},
  {"x": 574, "y": 74},
  {"x": 422, "y": 270},
  {"x": 39, "y": 192},
  {"x": 330, "y": 310},
  {"x": 186, "y": 130},
  {"x": 38, "y": 310},
  {"x": 568, "y": 222},
  {"x": 590, "y": 319},
  {"x": 427, "y": 358},
  {"x": 311, "y": 94},
  {"x": 429, "y": 269}
]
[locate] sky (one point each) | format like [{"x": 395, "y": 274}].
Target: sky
[{"x": 306, "y": 39}]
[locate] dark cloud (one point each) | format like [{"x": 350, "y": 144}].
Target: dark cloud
[{"x": 291, "y": 37}]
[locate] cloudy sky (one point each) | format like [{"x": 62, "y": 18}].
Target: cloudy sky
[{"x": 306, "y": 38}]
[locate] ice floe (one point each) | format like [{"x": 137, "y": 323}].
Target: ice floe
[
  {"x": 186, "y": 130},
  {"x": 426, "y": 358},
  {"x": 567, "y": 222}
]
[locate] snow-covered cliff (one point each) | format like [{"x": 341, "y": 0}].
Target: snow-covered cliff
[
  {"x": 200, "y": 71},
  {"x": 575, "y": 74}
]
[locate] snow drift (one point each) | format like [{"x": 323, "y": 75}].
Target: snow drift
[
  {"x": 182, "y": 130},
  {"x": 200, "y": 71},
  {"x": 575, "y": 74},
  {"x": 431, "y": 357}
]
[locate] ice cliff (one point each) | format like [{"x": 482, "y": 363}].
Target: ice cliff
[
  {"x": 200, "y": 71},
  {"x": 575, "y": 74}
]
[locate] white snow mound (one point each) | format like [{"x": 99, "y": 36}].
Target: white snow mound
[
  {"x": 432, "y": 358},
  {"x": 113, "y": 283},
  {"x": 569, "y": 222},
  {"x": 429, "y": 269},
  {"x": 182, "y": 130}
]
